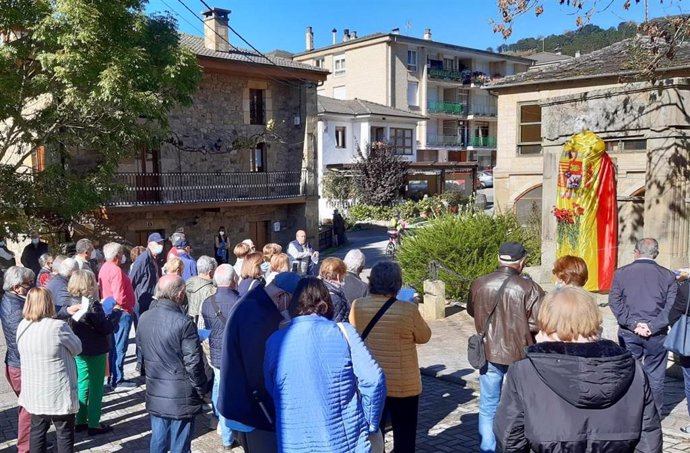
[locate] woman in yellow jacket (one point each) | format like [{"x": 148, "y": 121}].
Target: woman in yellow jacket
[{"x": 393, "y": 341}]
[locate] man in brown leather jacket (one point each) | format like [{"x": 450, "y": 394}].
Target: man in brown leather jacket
[{"x": 511, "y": 328}]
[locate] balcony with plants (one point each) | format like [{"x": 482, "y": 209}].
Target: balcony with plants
[{"x": 448, "y": 108}]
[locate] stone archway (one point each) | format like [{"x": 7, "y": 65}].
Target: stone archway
[{"x": 527, "y": 205}]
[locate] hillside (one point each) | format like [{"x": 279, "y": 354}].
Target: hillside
[{"x": 585, "y": 40}]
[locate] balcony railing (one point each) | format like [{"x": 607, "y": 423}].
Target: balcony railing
[
  {"x": 145, "y": 189},
  {"x": 483, "y": 142},
  {"x": 444, "y": 140},
  {"x": 451, "y": 108},
  {"x": 481, "y": 110},
  {"x": 446, "y": 74}
]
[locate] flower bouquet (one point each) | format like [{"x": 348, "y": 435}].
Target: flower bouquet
[{"x": 568, "y": 224}]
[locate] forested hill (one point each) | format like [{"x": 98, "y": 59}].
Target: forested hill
[{"x": 587, "y": 39}]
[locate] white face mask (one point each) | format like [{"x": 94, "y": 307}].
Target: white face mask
[
  {"x": 222, "y": 233},
  {"x": 158, "y": 249},
  {"x": 123, "y": 259},
  {"x": 559, "y": 284}
]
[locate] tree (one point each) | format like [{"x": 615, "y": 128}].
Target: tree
[
  {"x": 665, "y": 34},
  {"x": 84, "y": 84},
  {"x": 337, "y": 188},
  {"x": 379, "y": 175}
]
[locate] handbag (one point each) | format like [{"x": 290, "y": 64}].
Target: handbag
[
  {"x": 476, "y": 354},
  {"x": 678, "y": 339}
]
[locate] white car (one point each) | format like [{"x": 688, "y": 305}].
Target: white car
[{"x": 486, "y": 179}]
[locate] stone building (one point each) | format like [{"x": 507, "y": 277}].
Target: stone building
[
  {"x": 644, "y": 125},
  {"x": 242, "y": 155}
]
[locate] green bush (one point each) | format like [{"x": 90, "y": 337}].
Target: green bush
[{"x": 466, "y": 243}]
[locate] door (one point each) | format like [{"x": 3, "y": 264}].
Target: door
[
  {"x": 258, "y": 158},
  {"x": 142, "y": 236},
  {"x": 259, "y": 233},
  {"x": 148, "y": 177}
]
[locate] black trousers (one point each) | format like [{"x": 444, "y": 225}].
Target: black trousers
[
  {"x": 64, "y": 430},
  {"x": 403, "y": 416}
]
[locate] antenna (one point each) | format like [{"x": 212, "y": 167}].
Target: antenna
[{"x": 408, "y": 25}]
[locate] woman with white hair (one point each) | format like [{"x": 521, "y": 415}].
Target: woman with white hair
[
  {"x": 353, "y": 286},
  {"x": 58, "y": 284},
  {"x": 46, "y": 272}
]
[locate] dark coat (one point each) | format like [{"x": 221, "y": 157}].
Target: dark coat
[
  {"x": 175, "y": 376},
  {"x": 341, "y": 306},
  {"x": 681, "y": 303},
  {"x": 247, "y": 284},
  {"x": 226, "y": 299},
  {"x": 31, "y": 254},
  {"x": 577, "y": 397},
  {"x": 144, "y": 275},
  {"x": 253, "y": 320},
  {"x": 58, "y": 289},
  {"x": 644, "y": 292},
  {"x": 11, "y": 308},
  {"x": 94, "y": 329}
]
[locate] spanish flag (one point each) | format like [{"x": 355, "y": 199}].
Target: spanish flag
[{"x": 586, "y": 208}]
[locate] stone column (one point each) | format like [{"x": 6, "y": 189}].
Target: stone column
[
  {"x": 552, "y": 154},
  {"x": 666, "y": 210}
]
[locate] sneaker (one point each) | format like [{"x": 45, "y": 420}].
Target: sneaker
[
  {"x": 102, "y": 429},
  {"x": 80, "y": 427},
  {"x": 125, "y": 386}
]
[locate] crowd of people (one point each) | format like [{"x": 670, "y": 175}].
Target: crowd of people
[{"x": 298, "y": 355}]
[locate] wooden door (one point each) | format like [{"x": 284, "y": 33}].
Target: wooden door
[{"x": 259, "y": 233}]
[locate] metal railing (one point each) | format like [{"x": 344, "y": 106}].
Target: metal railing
[
  {"x": 451, "y": 108},
  {"x": 446, "y": 74},
  {"x": 144, "y": 189},
  {"x": 445, "y": 140},
  {"x": 481, "y": 110},
  {"x": 483, "y": 142}
]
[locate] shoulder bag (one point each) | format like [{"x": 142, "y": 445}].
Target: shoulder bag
[
  {"x": 678, "y": 339},
  {"x": 476, "y": 354},
  {"x": 379, "y": 314}
]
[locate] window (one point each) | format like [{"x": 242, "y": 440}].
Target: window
[
  {"x": 340, "y": 92},
  {"x": 257, "y": 113},
  {"x": 340, "y": 137},
  {"x": 449, "y": 64},
  {"x": 402, "y": 141},
  {"x": 529, "y": 130},
  {"x": 339, "y": 64},
  {"x": 411, "y": 60},
  {"x": 258, "y": 159},
  {"x": 412, "y": 89},
  {"x": 623, "y": 145},
  {"x": 319, "y": 62}
]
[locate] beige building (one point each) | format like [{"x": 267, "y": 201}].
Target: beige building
[
  {"x": 644, "y": 125},
  {"x": 437, "y": 80}
]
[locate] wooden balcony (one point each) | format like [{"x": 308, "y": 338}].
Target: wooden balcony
[{"x": 166, "y": 189}]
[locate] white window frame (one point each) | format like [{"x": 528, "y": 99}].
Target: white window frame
[
  {"x": 339, "y": 66},
  {"x": 520, "y": 123},
  {"x": 320, "y": 62},
  {"x": 412, "y": 62},
  {"x": 340, "y": 137}
]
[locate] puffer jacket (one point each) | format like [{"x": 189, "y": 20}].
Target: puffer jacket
[
  {"x": 198, "y": 290},
  {"x": 514, "y": 324},
  {"x": 11, "y": 308},
  {"x": 175, "y": 376},
  {"x": 341, "y": 307},
  {"x": 330, "y": 408},
  {"x": 577, "y": 397},
  {"x": 393, "y": 341}
]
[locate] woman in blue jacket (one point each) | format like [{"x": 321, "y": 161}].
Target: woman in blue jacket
[{"x": 327, "y": 388}]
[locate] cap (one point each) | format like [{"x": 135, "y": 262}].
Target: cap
[
  {"x": 181, "y": 243},
  {"x": 287, "y": 281},
  {"x": 511, "y": 252},
  {"x": 155, "y": 237}
]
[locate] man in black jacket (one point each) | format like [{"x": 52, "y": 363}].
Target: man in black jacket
[
  {"x": 641, "y": 297},
  {"x": 175, "y": 377},
  {"x": 33, "y": 252}
]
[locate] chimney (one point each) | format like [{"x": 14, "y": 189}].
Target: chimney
[
  {"x": 335, "y": 37},
  {"x": 346, "y": 35},
  {"x": 216, "y": 29},
  {"x": 427, "y": 34},
  {"x": 395, "y": 31},
  {"x": 354, "y": 35},
  {"x": 309, "y": 39}
]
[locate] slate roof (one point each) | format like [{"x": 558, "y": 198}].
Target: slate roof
[
  {"x": 541, "y": 58},
  {"x": 611, "y": 61},
  {"x": 360, "y": 107},
  {"x": 196, "y": 45}
]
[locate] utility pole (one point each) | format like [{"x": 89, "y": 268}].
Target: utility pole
[{"x": 646, "y": 10}]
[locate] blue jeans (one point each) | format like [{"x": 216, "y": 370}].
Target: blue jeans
[
  {"x": 168, "y": 433},
  {"x": 119, "y": 350},
  {"x": 490, "y": 383},
  {"x": 225, "y": 431},
  {"x": 652, "y": 354}
]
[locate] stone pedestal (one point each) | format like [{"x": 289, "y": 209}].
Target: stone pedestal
[{"x": 434, "y": 306}]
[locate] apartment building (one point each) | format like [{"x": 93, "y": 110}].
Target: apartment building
[{"x": 440, "y": 81}]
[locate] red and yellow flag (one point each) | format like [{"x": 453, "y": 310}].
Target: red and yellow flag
[{"x": 586, "y": 209}]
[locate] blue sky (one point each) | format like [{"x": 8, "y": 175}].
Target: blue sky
[{"x": 280, "y": 24}]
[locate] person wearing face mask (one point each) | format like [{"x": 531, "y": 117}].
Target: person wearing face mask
[
  {"x": 175, "y": 376},
  {"x": 242, "y": 396},
  {"x": 144, "y": 275},
  {"x": 33, "y": 251},
  {"x": 113, "y": 282},
  {"x": 18, "y": 281},
  {"x": 332, "y": 274},
  {"x": 504, "y": 306},
  {"x": 570, "y": 270},
  {"x": 221, "y": 246}
]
